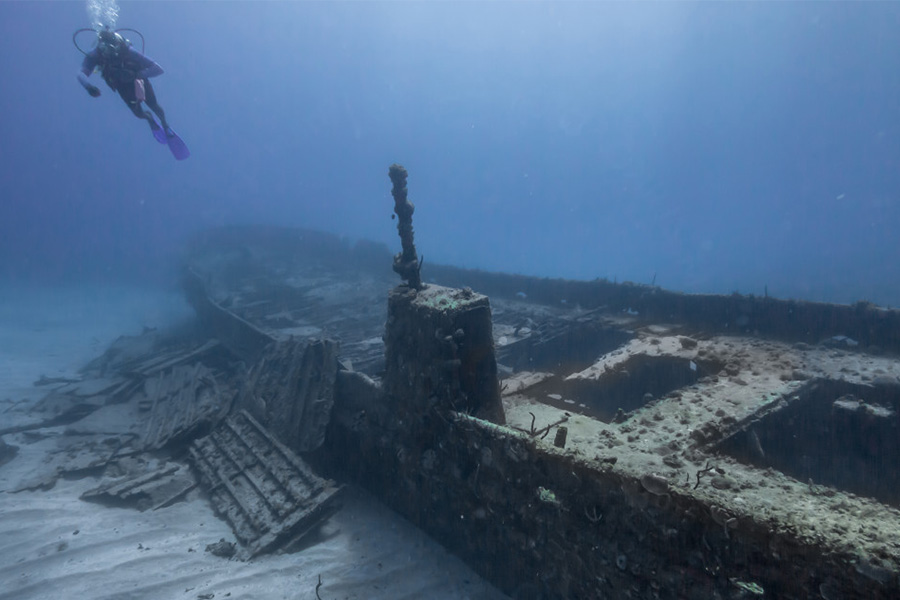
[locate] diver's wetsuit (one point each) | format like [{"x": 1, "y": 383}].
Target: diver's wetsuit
[{"x": 121, "y": 74}]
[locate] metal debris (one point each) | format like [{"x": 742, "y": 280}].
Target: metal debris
[
  {"x": 156, "y": 363},
  {"x": 222, "y": 549},
  {"x": 154, "y": 490}
]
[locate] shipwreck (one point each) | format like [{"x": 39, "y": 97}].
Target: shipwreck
[{"x": 567, "y": 439}]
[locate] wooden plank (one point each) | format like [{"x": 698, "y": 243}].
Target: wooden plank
[{"x": 265, "y": 491}]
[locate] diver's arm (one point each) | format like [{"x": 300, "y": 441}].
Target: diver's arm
[
  {"x": 147, "y": 67},
  {"x": 93, "y": 90},
  {"x": 88, "y": 65},
  {"x": 151, "y": 71},
  {"x": 90, "y": 62}
]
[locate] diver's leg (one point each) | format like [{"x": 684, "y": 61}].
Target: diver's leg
[
  {"x": 150, "y": 100},
  {"x": 127, "y": 94}
]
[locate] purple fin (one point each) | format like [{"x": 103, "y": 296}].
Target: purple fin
[
  {"x": 176, "y": 145},
  {"x": 160, "y": 135},
  {"x": 158, "y": 131}
]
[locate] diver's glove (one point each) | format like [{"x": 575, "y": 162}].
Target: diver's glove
[{"x": 93, "y": 90}]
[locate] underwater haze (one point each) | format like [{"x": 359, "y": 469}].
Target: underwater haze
[{"x": 703, "y": 147}]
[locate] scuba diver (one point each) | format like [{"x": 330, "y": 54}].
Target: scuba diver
[{"x": 128, "y": 72}]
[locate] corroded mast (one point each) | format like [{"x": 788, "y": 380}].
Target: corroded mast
[{"x": 406, "y": 263}]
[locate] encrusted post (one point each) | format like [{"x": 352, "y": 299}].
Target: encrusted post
[
  {"x": 406, "y": 263},
  {"x": 439, "y": 347},
  {"x": 439, "y": 353}
]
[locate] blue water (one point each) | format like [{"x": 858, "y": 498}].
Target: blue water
[{"x": 711, "y": 147}]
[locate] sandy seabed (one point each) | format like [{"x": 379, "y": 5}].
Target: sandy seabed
[{"x": 54, "y": 545}]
